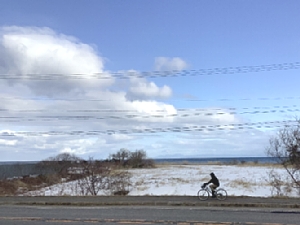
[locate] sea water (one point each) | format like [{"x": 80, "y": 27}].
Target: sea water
[{"x": 222, "y": 160}]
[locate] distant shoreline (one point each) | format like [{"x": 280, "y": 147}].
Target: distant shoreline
[
  {"x": 222, "y": 160},
  {"x": 210, "y": 160}
]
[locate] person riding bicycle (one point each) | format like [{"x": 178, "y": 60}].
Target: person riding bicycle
[{"x": 214, "y": 184}]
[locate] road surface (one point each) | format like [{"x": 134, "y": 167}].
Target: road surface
[{"x": 109, "y": 215}]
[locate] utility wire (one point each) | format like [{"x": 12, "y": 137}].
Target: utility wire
[
  {"x": 277, "y": 107},
  {"x": 195, "y": 128},
  {"x": 48, "y": 118},
  {"x": 156, "y": 74},
  {"x": 107, "y": 100}
]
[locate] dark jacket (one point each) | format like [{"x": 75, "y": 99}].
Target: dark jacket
[{"x": 214, "y": 180}]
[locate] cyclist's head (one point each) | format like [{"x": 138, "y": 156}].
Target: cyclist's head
[{"x": 212, "y": 174}]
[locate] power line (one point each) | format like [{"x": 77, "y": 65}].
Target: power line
[
  {"x": 194, "y": 128},
  {"x": 247, "y": 99},
  {"x": 192, "y": 99},
  {"x": 155, "y": 74},
  {"x": 47, "y": 118},
  {"x": 277, "y": 107}
]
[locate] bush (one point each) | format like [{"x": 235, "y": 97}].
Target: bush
[
  {"x": 8, "y": 188},
  {"x": 136, "y": 159},
  {"x": 285, "y": 149},
  {"x": 59, "y": 164},
  {"x": 120, "y": 182}
]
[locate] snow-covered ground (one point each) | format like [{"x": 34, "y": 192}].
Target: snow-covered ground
[{"x": 187, "y": 179}]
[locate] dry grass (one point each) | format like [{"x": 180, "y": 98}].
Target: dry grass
[
  {"x": 25, "y": 184},
  {"x": 187, "y": 163},
  {"x": 254, "y": 164},
  {"x": 19, "y": 186},
  {"x": 139, "y": 183},
  {"x": 203, "y": 179},
  {"x": 141, "y": 188},
  {"x": 237, "y": 183},
  {"x": 179, "y": 180}
]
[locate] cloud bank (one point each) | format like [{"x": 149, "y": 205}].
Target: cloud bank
[{"x": 64, "y": 114}]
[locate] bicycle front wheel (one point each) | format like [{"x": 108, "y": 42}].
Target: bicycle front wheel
[
  {"x": 221, "y": 194},
  {"x": 203, "y": 194}
]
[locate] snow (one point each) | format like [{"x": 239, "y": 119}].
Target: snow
[{"x": 180, "y": 180}]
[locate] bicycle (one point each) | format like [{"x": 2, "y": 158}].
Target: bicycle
[{"x": 206, "y": 191}]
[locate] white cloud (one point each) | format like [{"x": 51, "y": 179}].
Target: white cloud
[
  {"x": 34, "y": 106},
  {"x": 8, "y": 142},
  {"x": 140, "y": 89},
  {"x": 41, "y": 51},
  {"x": 43, "y": 106},
  {"x": 165, "y": 63}
]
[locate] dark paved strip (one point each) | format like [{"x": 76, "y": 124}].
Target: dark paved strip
[
  {"x": 248, "y": 202},
  {"x": 124, "y": 221}
]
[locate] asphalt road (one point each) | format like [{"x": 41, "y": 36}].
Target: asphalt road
[
  {"x": 184, "y": 210},
  {"x": 50, "y": 215},
  {"x": 152, "y": 200}
]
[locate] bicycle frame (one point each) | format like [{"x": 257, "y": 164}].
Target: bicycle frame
[
  {"x": 221, "y": 193},
  {"x": 207, "y": 188}
]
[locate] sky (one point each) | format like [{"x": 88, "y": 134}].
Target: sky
[{"x": 176, "y": 78}]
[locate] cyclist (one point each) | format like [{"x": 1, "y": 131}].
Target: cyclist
[{"x": 214, "y": 184}]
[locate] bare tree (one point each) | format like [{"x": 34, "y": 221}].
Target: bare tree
[
  {"x": 94, "y": 176},
  {"x": 61, "y": 163},
  {"x": 128, "y": 159},
  {"x": 138, "y": 159},
  {"x": 119, "y": 182},
  {"x": 285, "y": 148},
  {"x": 121, "y": 156}
]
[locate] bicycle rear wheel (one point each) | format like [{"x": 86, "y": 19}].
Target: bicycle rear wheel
[
  {"x": 203, "y": 194},
  {"x": 221, "y": 194}
]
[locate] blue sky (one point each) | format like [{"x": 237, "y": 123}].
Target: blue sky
[
  {"x": 206, "y": 34},
  {"x": 116, "y": 35}
]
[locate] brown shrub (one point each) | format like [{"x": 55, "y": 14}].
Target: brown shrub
[{"x": 8, "y": 187}]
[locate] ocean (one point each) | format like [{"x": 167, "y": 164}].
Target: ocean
[{"x": 222, "y": 160}]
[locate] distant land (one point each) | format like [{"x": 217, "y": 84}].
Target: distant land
[{"x": 225, "y": 160}]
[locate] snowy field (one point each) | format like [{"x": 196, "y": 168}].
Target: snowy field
[{"x": 186, "y": 180}]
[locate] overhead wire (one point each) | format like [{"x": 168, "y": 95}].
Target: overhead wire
[
  {"x": 191, "y": 128},
  {"x": 154, "y": 74},
  {"x": 276, "y": 107},
  {"x": 183, "y": 113},
  {"x": 184, "y": 99}
]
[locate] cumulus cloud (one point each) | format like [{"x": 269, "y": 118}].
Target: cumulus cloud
[
  {"x": 166, "y": 63},
  {"x": 43, "y": 52},
  {"x": 140, "y": 89}
]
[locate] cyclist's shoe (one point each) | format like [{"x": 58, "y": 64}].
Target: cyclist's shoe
[{"x": 213, "y": 194}]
